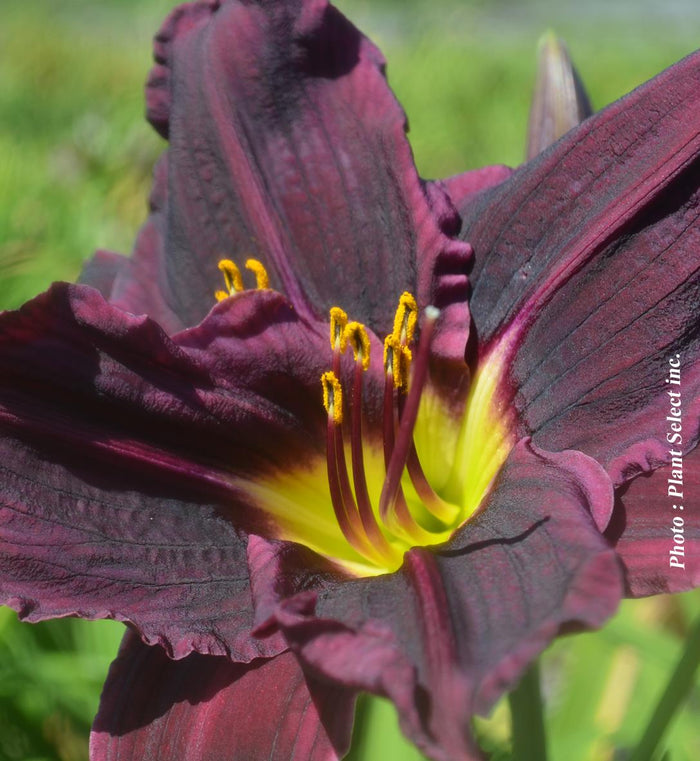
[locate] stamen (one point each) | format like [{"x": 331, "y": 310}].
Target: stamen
[
  {"x": 359, "y": 340},
  {"x": 404, "y": 439},
  {"x": 402, "y": 367},
  {"x": 388, "y": 406},
  {"x": 339, "y": 509},
  {"x": 397, "y": 361},
  {"x": 262, "y": 280},
  {"x": 333, "y": 403},
  {"x": 339, "y": 321},
  {"x": 356, "y": 336},
  {"x": 358, "y": 521},
  {"x": 398, "y": 519},
  {"x": 232, "y": 278},
  {"x": 405, "y": 319},
  {"x": 358, "y": 526},
  {"x": 332, "y": 396},
  {"x": 389, "y": 357},
  {"x": 358, "y": 459}
]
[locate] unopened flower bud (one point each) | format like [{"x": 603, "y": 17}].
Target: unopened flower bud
[{"x": 559, "y": 101}]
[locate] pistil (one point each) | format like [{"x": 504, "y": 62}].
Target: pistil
[
  {"x": 438, "y": 507},
  {"x": 442, "y": 510}
]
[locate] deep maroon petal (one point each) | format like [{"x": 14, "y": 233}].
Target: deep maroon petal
[
  {"x": 656, "y": 529},
  {"x": 205, "y": 708},
  {"x": 587, "y": 277},
  {"x": 125, "y": 459},
  {"x": 455, "y": 627},
  {"x": 287, "y": 145}
]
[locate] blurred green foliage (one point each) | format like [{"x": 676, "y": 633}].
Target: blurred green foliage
[
  {"x": 75, "y": 162},
  {"x": 51, "y": 675}
]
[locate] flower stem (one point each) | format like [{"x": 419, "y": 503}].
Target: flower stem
[
  {"x": 527, "y": 719},
  {"x": 675, "y": 693}
]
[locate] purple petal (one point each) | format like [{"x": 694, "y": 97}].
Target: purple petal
[
  {"x": 287, "y": 145},
  {"x": 587, "y": 277},
  {"x": 446, "y": 635},
  {"x": 463, "y": 186},
  {"x": 101, "y": 271},
  {"x": 657, "y": 532},
  {"x": 139, "y": 287},
  {"x": 205, "y": 708},
  {"x": 125, "y": 460}
]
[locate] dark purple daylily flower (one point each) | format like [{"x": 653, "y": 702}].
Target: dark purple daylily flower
[{"x": 423, "y": 539}]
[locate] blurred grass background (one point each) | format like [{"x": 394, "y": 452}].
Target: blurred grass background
[{"x": 75, "y": 162}]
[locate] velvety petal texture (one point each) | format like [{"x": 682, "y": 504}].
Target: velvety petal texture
[
  {"x": 463, "y": 186},
  {"x": 125, "y": 459},
  {"x": 586, "y": 280},
  {"x": 455, "y": 627},
  {"x": 205, "y": 708},
  {"x": 287, "y": 145}
]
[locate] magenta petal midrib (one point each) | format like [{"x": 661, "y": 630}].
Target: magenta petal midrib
[
  {"x": 603, "y": 159},
  {"x": 596, "y": 236},
  {"x": 124, "y": 451}
]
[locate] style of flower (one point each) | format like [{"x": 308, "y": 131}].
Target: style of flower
[{"x": 306, "y": 491}]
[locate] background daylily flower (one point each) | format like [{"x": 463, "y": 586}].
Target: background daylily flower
[{"x": 176, "y": 477}]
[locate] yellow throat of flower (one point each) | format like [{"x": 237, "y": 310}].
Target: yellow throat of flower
[{"x": 369, "y": 502}]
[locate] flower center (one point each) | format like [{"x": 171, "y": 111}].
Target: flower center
[
  {"x": 403, "y": 471},
  {"x": 406, "y": 510},
  {"x": 382, "y": 530}
]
